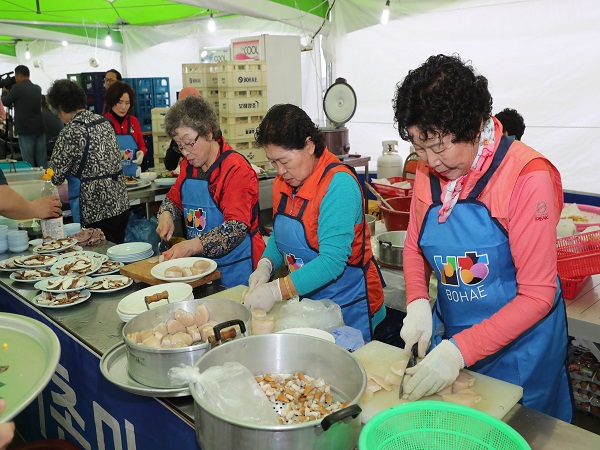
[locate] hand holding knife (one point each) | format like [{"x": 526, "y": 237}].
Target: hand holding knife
[{"x": 412, "y": 361}]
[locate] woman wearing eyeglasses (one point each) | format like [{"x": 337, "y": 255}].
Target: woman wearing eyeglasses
[
  {"x": 319, "y": 228},
  {"x": 216, "y": 193},
  {"x": 483, "y": 217}
]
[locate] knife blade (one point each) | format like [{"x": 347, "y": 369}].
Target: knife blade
[
  {"x": 163, "y": 246},
  {"x": 412, "y": 361}
]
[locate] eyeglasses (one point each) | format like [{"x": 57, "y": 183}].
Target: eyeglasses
[
  {"x": 186, "y": 147},
  {"x": 109, "y": 80}
]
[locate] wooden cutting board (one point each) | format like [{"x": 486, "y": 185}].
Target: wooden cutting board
[
  {"x": 140, "y": 271},
  {"x": 498, "y": 397}
]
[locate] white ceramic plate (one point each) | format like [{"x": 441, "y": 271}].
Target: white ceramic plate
[
  {"x": 165, "y": 181},
  {"x": 27, "y": 261},
  {"x": 158, "y": 271},
  {"x": 106, "y": 291},
  {"x": 36, "y": 242},
  {"x": 85, "y": 296},
  {"x": 13, "y": 276},
  {"x": 140, "y": 185},
  {"x": 314, "y": 332},
  {"x": 58, "y": 267},
  {"x": 134, "y": 303},
  {"x": 130, "y": 248},
  {"x": 68, "y": 243},
  {"x": 93, "y": 255},
  {"x": 42, "y": 285},
  {"x": 3, "y": 263},
  {"x": 109, "y": 272}
]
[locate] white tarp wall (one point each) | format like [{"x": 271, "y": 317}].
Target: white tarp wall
[{"x": 540, "y": 57}]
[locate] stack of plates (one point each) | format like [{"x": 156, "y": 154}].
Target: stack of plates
[
  {"x": 134, "y": 303},
  {"x": 130, "y": 252}
]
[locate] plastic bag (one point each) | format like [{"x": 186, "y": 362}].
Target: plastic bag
[
  {"x": 322, "y": 314},
  {"x": 230, "y": 390},
  {"x": 140, "y": 229}
]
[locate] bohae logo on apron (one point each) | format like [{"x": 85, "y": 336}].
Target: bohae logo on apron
[
  {"x": 292, "y": 262},
  {"x": 470, "y": 269},
  {"x": 195, "y": 218}
]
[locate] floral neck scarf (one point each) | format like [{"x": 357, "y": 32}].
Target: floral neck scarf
[{"x": 451, "y": 191}]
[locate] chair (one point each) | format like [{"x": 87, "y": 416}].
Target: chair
[{"x": 410, "y": 166}]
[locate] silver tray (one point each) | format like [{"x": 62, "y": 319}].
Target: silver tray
[{"x": 113, "y": 366}]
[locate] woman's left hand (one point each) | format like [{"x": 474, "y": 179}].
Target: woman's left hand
[
  {"x": 183, "y": 249},
  {"x": 438, "y": 370}
]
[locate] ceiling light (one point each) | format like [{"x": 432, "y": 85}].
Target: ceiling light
[
  {"x": 27, "y": 54},
  {"x": 385, "y": 15},
  {"x": 64, "y": 43},
  {"x": 212, "y": 26},
  {"x": 108, "y": 39}
]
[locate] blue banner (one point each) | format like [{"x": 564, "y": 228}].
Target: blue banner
[{"x": 81, "y": 406}]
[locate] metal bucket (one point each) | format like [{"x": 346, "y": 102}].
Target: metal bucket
[
  {"x": 391, "y": 246},
  {"x": 283, "y": 354},
  {"x": 150, "y": 366}
]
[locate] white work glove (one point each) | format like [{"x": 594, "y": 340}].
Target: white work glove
[
  {"x": 417, "y": 326},
  {"x": 139, "y": 157},
  {"x": 437, "y": 371},
  {"x": 264, "y": 296},
  {"x": 261, "y": 275}
]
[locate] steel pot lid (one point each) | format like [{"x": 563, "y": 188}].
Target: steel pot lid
[{"x": 339, "y": 102}]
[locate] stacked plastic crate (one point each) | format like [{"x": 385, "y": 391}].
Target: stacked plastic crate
[
  {"x": 242, "y": 106},
  {"x": 160, "y": 140},
  {"x": 203, "y": 77},
  {"x": 93, "y": 86}
]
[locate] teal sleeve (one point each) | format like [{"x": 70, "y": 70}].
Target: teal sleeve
[{"x": 341, "y": 209}]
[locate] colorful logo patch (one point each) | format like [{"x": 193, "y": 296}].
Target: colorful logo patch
[
  {"x": 293, "y": 263},
  {"x": 469, "y": 269},
  {"x": 195, "y": 218}
]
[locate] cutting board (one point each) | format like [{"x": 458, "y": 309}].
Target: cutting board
[
  {"x": 140, "y": 271},
  {"x": 498, "y": 397}
]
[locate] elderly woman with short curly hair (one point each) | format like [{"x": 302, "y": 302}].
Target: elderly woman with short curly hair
[
  {"x": 216, "y": 193},
  {"x": 483, "y": 217}
]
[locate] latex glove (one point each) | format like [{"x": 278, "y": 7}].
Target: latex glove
[
  {"x": 261, "y": 275},
  {"x": 139, "y": 157},
  {"x": 166, "y": 226},
  {"x": 417, "y": 326},
  {"x": 264, "y": 296},
  {"x": 437, "y": 371}
]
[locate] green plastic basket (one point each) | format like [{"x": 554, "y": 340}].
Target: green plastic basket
[{"x": 436, "y": 425}]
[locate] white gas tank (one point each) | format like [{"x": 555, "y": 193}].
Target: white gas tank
[{"x": 390, "y": 163}]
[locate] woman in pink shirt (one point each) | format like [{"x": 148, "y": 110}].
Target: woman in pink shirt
[{"x": 483, "y": 219}]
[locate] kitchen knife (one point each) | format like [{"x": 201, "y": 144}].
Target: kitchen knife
[
  {"x": 163, "y": 246},
  {"x": 412, "y": 361}
]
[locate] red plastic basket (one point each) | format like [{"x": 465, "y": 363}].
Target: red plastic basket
[
  {"x": 572, "y": 286},
  {"x": 578, "y": 256},
  {"x": 387, "y": 191}
]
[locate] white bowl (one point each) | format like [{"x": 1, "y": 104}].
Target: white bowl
[
  {"x": 72, "y": 228},
  {"x": 150, "y": 176},
  {"x": 314, "y": 332}
]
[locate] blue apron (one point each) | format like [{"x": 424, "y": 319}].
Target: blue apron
[
  {"x": 128, "y": 148},
  {"x": 74, "y": 180},
  {"x": 201, "y": 214},
  {"x": 348, "y": 290},
  {"x": 470, "y": 255}
]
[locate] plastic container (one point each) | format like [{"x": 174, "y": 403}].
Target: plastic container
[
  {"x": 398, "y": 218},
  {"x": 387, "y": 190},
  {"x": 578, "y": 256},
  {"x": 55, "y": 227},
  {"x": 435, "y": 425},
  {"x": 572, "y": 286},
  {"x": 390, "y": 163}
]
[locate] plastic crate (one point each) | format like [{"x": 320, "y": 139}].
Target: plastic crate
[
  {"x": 242, "y": 74},
  {"x": 160, "y": 144},
  {"x": 252, "y": 154},
  {"x": 160, "y": 85},
  {"x": 239, "y": 127},
  {"x": 200, "y": 75},
  {"x": 242, "y": 105},
  {"x": 578, "y": 256},
  {"x": 388, "y": 191},
  {"x": 160, "y": 100},
  {"x": 75, "y": 77},
  {"x": 95, "y": 103},
  {"x": 142, "y": 85},
  {"x": 572, "y": 286},
  {"x": 93, "y": 82}
]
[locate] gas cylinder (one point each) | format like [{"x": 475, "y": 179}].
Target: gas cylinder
[{"x": 390, "y": 163}]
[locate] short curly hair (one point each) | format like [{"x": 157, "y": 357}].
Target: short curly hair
[
  {"x": 114, "y": 93},
  {"x": 442, "y": 96},
  {"x": 512, "y": 122},
  {"x": 66, "y": 96},
  {"x": 288, "y": 126},
  {"x": 196, "y": 113}
]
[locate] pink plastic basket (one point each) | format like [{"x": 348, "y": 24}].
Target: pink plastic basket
[{"x": 578, "y": 256}]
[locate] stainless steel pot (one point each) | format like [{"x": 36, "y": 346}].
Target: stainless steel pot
[
  {"x": 391, "y": 246},
  {"x": 150, "y": 366},
  {"x": 285, "y": 353},
  {"x": 336, "y": 139}
]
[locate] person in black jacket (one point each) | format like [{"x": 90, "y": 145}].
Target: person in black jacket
[{"x": 173, "y": 156}]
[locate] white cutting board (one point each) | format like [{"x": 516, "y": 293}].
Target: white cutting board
[{"x": 498, "y": 397}]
